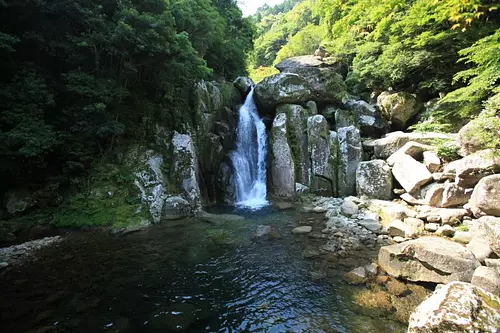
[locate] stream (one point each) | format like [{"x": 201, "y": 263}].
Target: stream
[{"x": 184, "y": 276}]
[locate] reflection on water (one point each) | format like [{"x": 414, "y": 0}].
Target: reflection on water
[{"x": 187, "y": 277}]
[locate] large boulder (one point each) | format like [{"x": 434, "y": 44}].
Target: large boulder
[
  {"x": 184, "y": 170},
  {"x": 374, "y": 180},
  {"x": 398, "y": 107},
  {"x": 370, "y": 120},
  {"x": 297, "y": 134},
  {"x": 485, "y": 199},
  {"x": 413, "y": 149},
  {"x": 410, "y": 173},
  {"x": 282, "y": 167},
  {"x": 428, "y": 259},
  {"x": 243, "y": 84},
  {"x": 457, "y": 307},
  {"x": 322, "y": 152},
  {"x": 304, "y": 84},
  {"x": 284, "y": 88},
  {"x": 491, "y": 227},
  {"x": 386, "y": 146},
  {"x": 301, "y": 63},
  {"x": 350, "y": 155},
  {"x": 487, "y": 278},
  {"x": 226, "y": 184},
  {"x": 444, "y": 195},
  {"x": 19, "y": 200},
  {"x": 176, "y": 208},
  {"x": 469, "y": 170}
]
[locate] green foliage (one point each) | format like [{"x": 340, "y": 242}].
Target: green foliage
[
  {"x": 79, "y": 77},
  {"x": 447, "y": 150},
  {"x": 260, "y": 73},
  {"x": 304, "y": 42}
]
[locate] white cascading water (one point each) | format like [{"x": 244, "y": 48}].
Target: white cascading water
[{"x": 249, "y": 158}]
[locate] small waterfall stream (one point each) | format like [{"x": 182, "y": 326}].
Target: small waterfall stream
[{"x": 249, "y": 158}]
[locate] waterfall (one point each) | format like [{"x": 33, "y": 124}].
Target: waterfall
[{"x": 249, "y": 158}]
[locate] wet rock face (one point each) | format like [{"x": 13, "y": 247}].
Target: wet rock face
[
  {"x": 429, "y": 259},
  {"x": 457, "y": 307},
  {"x": 243, "y": 84},
  {"x": 322, "y": 156},
  {"x": 398, "y": 108},
  {"x": 185, "y": 168},
  {"x": 374, "y": 180},
  {"x": 282, "y": 166},
  {"x": 176, "y": 208},
  {"x": 485, "y": 199}
]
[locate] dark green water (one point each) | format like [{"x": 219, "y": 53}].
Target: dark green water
[{"x": 184, "y": 277}]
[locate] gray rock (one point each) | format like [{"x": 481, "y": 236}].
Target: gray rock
[
  {"x": 398, "y": 107},
  {"x": 414, "y": 149},
  {"x": 485, "y": 199},
  {"x": 432, "y": 161},
  {"x": 390, "y": 211},
  {"x": 385, "y": 147},
  {"x": 469, "y": 170},
  {"x": 468, "y": 138},
  {"x": 398, "y": 228},
  {"x": 371, "y": 269},
  {"x": 410, "y": 174},
  {"x": 302, "y": 230},
  {"x": 176, "y": 208},
  {"x": 282, "y": 166},
  {"x": 349, "y": 208},
  {"x": 428, "y": 259},
  {"x": 301, "y": 188},
  {"x": 480, "y": 248},
  {"x": 463, "y": 237},
  {"x": 495, "y": 263},
  {"x": 415, "y": 223},
  {"x": 226, "y": 184},
  {"x": 457, "y": 307},
  {"x": 297, "y": 133},
  {"x": 218, "y": 218},
  {"x": 487, "y": 278},
  {"x": 374, "y": 180},
  {"x": 445, "y": 230},
  {"x": 454, "y": 195},
  {"x": 243, "y": 84},
  {"x": 322, "y": 156},
  {"x": 283, "y": 88},
  {"x": 371, "y": 221},
  {"x": 356, "y": 276},
  {"x": 431, "y": 227},
  {"x": 350, "y": 155},
  {"x": 19, "y": 200},
  {"x": 369, "y": 118},
  {"x": 185, "y": 168},
  {"x": 265, "y": 232},
  {"x": 491, "y": 227}
]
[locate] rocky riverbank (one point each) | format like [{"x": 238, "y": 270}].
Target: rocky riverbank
[{"x": 17, "y": 254}]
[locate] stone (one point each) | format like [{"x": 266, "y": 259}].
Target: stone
[
  {"x": 432, "y": 161},
  {"x": 299, "y": 62},
  {"x": 495, "y": 263},
  {"x": 431, "y": 227},
  {"x": 349, "y": 208},
  {"x": 18, "y": 200},
  {"x": 226, "y": 184},
  {"x": 457, "y": 307},
  {"x": 412, "y": 200},
  {"x": 398, "y": 107},
  {"x": 399, "y": 239},
  {"x": 176, "y": 208},
  {"x": 322, "y": 153},
  {"x": 297, "y": 138},
  {"x": 283, "y": 88},
  {"x": 487, "y": 278},
  {"x": 350, "y": 155},
  {"x": 454, "y": 195},
  {"x": 428, "y": 259},
  {"x": 265, "y": 232},
  {"x": 356, "y": 276},
  {"x": 469, "y": 170},
  {"x": 369, "y": 118},
  {"x": 185, "y": 168},
  {"x": 282, "y": 166},
  {"x": 451, "y": 216},
  {"x": 410, "y": 173},
  {"x": 413, "y": 149},
  {"x": 388, "y": 145},
  {"x": 463, "y": 237},
  {"x": 395, "y": 287},
  {"x": 243, "y": 84},
  {"x": 491, "y": 227},
  {"x": 301, "y": 188},
  {"x": 390, "y": 211},
  {"x": 218, "y": 218},
  {"x": 371, "y": 269},
  {"x": 445, "y": 230},
  {"x": 371, "y": 221},
  {"x": 399, "y": 228},
  {"x": 485, "y": 199},
  {"x": 343, "y": 118},
  {"x": 374, "y": 180},
  {"x": 302, "y": 230},
  {"x": 480, "y": 248}
]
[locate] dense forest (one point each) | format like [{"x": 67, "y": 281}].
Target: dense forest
[
  {"x": 79, "y": 77},
  {"x": 436, "y": 48}
]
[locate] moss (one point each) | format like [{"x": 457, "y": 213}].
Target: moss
[
  {"x": 447, "y": 149},
  {"x": 462, "y": 227},
  {"x": 484, "y": 132}
]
